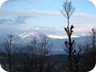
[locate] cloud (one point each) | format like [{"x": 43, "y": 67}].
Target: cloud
[
  {"x": 13, "y": 20},
  {"x": 83, "y": 19},
  {"x": 14, "y": 17},
  {"x": 5, "y": 21},
  {"x": 28, "y": 13},
  {"x": 20, "y": 19},
  {"x": 20, "y": 16},
  {"x": 43, "y": 29},
  {"x": 20, "y": 28},
  {"x": 40, "y": 13},
  {"x": 83, "y": 29}
]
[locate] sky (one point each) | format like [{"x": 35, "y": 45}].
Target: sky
[{"x": 18, "y": 16}]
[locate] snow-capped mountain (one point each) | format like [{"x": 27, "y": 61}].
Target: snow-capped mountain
[
  {"x": 57, "y": 43},
  {"x": 27, "y": 36},
  {"x": 31, "y": 35}
]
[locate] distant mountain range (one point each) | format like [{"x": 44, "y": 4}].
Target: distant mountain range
[{"x": 57, "y": 43}]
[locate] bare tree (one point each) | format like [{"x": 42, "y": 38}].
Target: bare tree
[
  {"x": 93, "y": 38},
  {"x": 93, "y": 44},
  {"x": 8, "y": 45},
  {"x": 67, "y": 12},
  {"x": 28, "y": 56},
  {"x": 44, "y": 48},
  {"x": 91, "y": 52},
  {"x": 34, "y": 57},
  {"x": 88, "y": 56}
]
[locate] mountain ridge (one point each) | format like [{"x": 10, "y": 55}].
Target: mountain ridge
[{"x": 26, "y": 37}]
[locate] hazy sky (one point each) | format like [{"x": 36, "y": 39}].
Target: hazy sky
[{"x": 18, "y": 16}]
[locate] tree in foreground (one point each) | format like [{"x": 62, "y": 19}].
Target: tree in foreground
[
  {"x": 35, "y": 56},
  {"x": 8, "y": 45},
  {"x": 67, "y": 12},
  {"x": 89, "y": 55}
]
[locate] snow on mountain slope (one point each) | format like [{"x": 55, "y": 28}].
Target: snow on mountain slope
[
  {"x": 27, "y": 36},
  {"x": 57, "y": 42}
]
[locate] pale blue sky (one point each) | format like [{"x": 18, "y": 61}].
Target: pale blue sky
[{"x": 44, "y": 16}]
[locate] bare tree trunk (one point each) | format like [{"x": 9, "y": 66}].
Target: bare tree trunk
[
  {"x": 8, "y": 45},
  {"x": 68, "y": 11}
]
